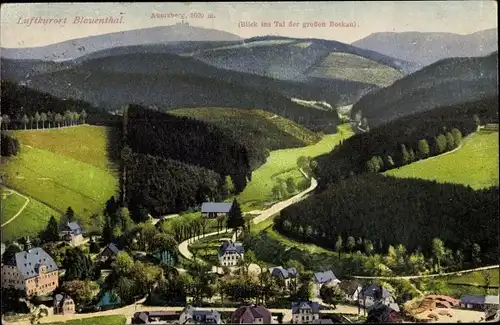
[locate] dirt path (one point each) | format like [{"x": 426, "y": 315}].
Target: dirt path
[{"x": 20, "y": 210}]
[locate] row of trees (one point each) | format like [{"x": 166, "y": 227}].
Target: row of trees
[
  {"x": 358, "y": 207},
  {"x": 68, "y": 118},
  {"x": 441, "y": 143},
  {"x": 404, "y": 140}
]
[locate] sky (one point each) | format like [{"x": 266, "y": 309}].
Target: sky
[{"x": 462, "y": 17}]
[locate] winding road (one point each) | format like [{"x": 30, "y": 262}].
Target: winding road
[{"x": 276, "y": 208}]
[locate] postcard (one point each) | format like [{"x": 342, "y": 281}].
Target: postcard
[{"x": 249, "y": 162}]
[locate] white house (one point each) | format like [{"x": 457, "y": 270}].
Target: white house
[
  {"x": 324, "y": 278},
  {"x": 196, "y": 316},
  {"x": 230, "y": 253},
  {"x": 72, "y": 233},
  {"x": 305, "y": 312}
]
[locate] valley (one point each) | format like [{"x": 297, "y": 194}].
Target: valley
[{"x": 148, "y": 173}]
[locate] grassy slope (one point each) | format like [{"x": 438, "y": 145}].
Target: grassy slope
[
  {"x": 10, "y": 204},
  {"x": 274, "y": 130},
  {"x": 476, "y": 278},
  {"x": 355, "y": 68},
  {"x": 61, "y": 168},
  {"x": 478, "y": 157},
  {"x": 259, "y": 189},
  {"x": 97, "y": 320},
  {"x": 85, "y": 143}
]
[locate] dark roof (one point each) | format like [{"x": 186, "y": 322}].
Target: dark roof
[
  {"x": 247, "y": 315},
  {"x": 221, "y": 207},
  {"x": 370, "y": 291},
  {"x": 349, "y": 286},
  {"x": 29, "y": 262},
  {"x": 229, "y": 246},
  {"x": 284, "y": 273},
  {"x": 203, "y": 313},
  {"x": 324, "y": 277},
  {"x": 477, "y": 300},
  {"x": 74, "y": 227},
  {"x": 112, "y": 247},
  {"x": 143, "y": 316},
  {"x": 60, "y": 299},
  {"x": 305, "y": 305}
]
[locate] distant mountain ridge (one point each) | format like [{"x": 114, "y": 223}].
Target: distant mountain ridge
[
  {"x": 446, "y": 82},
  {"x": 427, "y": 48},
  {"x": 74, "y": 48}
]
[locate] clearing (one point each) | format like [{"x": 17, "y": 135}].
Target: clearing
[
  {"x": 356, "y": 68},
  {"x": 475, "y": 164},
  {"x": 283, "y": 163}
]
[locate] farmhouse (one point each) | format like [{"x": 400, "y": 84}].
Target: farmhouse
[
  {"x": 230, "y": 253},
  {"x": 305, "y": 312},
  {"x": 215, "y": 209},
  {"x": 284, "y": 274},
  {"x": 254, "y": 314},
  {"x": 351, "y": 289},
  {"x": 72, "y": 233},
  {"x": 109, "y": 253},
  {"x": 324, "y": 278},
  {"x": 479, "y": 302},
  {"x": 372, "y": 293},
  {"x": 195, "y": 316},
  {"x": 63, "y": 305},
  {"x": 33, "y": 271}
]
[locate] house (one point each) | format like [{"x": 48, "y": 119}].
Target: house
[
  {"x": 372, "y": 293},
  {"x": 33, "y": 271},
  {"x": 109, "y": 253},
  {"x": 215, "y": 209},
  {"x": 190, "y": 315},
  {"x": 146, "y": 317},
  {"x": 72, "y": 233},
  {"x": 305, "y": 312},
  {"x": 230, "y": 253},
  {"x": 382, "y": 313},
  {"x": 324, "y": 278},
  {"x": 284, "y": 274},
  {"x": 479, "y": 302},
  {"x": 63, "y": 305},
  {"x": 254, "y": 314},
  {"x": 351, "y": 289}
]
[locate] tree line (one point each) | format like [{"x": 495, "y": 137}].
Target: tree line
[
  {"x": 405, "y": 140},
  {"x": 24, "y": 106},
  {"x": 189, "y": 141},
  {"x": 49, "y": 119},
  {"x": 368, "y": 208}
]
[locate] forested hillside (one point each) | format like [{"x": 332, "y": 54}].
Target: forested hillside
[
  {"x": 390, "y": 211},
  {"x": 446, "y": 82},
  {"x": 19, "y": 102},
  {"x": 189, "y": 141},
  {"x": 405, "y": 140},
  {"x": 165, "y": 186},
  {"x": 259, "y": 131}
]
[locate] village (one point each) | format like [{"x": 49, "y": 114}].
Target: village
[{"x": 36, "y": 275}]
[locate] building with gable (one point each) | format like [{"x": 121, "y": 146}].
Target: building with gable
[
  {"x": 63, "y": 305},
  {"x": 305, "y": 312},
  {"x": 190, "y": 315},
  {"x": 230, "y": 253},
  {"x": 324, "y": 278},
  {"x": 284, "y": 274},
  {"x": 72, "y": 233},
  {"x": 33, "y": 271},
  {"x": 214, "y": 210},
  {"x": 253, "y": 314}
]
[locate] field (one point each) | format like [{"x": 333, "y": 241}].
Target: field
[
  {"x": 98, "y": 320},
  {"x": 10, "y": 204},
  {"x": 259, "y": 189},
  {"x": 57, "y": 168},
  {"x": 355, "y": 68},
  {"x": 475, "y": 164},
  {"x": 477, "y": 278}
]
